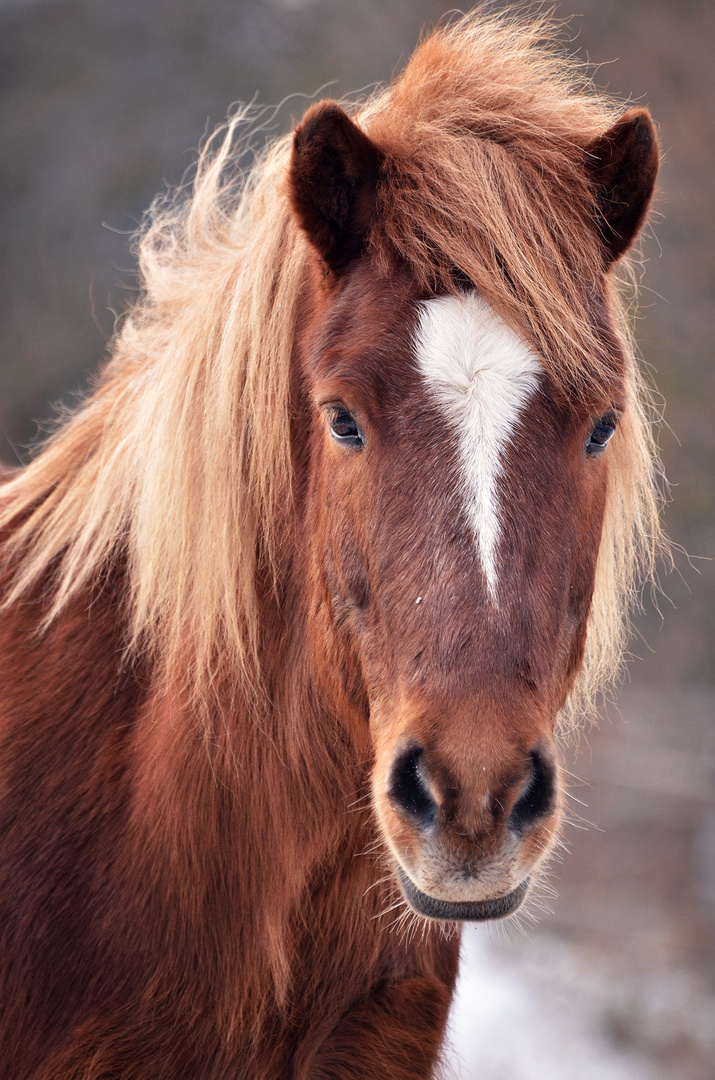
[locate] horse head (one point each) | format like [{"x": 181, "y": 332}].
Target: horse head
[{"x": 455, "y": 506}]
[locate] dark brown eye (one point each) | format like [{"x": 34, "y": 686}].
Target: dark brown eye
[
  {"x": 602, "y": 433},
  {"x": 344, "y": 427}
]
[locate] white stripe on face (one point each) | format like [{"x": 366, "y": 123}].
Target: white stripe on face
[{"x": 481, "y": 374}]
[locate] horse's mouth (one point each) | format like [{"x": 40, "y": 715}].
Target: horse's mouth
[{"x": 476, "y": 911}]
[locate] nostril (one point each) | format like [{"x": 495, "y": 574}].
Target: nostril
[
  {"x": 538, "y": 797},
  {"x": 408, "y": 789}
]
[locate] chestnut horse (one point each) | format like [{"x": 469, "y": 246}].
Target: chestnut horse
[{"x": 296, "y": 598}]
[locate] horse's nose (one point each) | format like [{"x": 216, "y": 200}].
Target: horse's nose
[
  {"x": 537, "y": 797},
  {"x": 409, "y": 790}
]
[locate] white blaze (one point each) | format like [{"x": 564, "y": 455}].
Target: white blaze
[{"x": 481, "y": 374}]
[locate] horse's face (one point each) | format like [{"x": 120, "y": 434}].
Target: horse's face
[
  {"x": 456, "y": 516},
  {"x": 456, "y": 505}
]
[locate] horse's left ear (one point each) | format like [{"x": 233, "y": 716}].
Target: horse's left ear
[
  {"x": 333, "y": 179},
  {"x": 623, "y": 165}
]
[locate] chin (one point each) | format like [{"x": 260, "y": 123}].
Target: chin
[{"x": 499, "y": 907}]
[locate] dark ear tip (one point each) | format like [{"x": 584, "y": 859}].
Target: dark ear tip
[
  {"x": 637, "y": 118},
  {"x": 633, "y": 133},
  {"x": 639, "y": 133},
  {"x": 326, "y": 127},
  {"x": 322, "y": 118},
  {"x": 323, "y": 112}
]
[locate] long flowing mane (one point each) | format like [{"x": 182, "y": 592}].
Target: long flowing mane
[{"x": 179, "y": 462}]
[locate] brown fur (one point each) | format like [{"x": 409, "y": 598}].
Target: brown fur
[{"x": 212, "y": 652}]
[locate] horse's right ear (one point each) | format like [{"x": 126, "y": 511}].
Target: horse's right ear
[{"x": 334, "y": 173}]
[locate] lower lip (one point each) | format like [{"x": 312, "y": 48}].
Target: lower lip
[{"x": 480, "y": 911}]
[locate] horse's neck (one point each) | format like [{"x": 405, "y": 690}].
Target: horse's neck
[{"x": 210, "y": 828}]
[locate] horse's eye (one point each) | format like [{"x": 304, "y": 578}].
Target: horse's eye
[
  {"x": 602, "y": 432},
  {"x": 344, "y": 428}
]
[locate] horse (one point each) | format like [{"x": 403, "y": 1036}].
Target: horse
[{"x": 298, "y": 602}]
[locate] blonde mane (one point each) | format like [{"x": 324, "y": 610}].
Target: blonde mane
[{"x": 179, "y": 461}]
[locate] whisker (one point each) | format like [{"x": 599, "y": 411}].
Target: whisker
[
  {"x": 392, "y": 907},
  {"x": 380, "y": 881}
]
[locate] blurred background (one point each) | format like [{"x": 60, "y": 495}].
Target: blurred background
[{"x": 102, "y": 104}]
